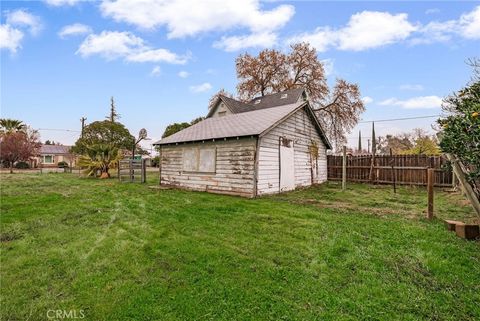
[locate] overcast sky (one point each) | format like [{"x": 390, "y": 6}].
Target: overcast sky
[{"x": 63, "y": 59}]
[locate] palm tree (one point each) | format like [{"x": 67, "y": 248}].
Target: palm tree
[
  {"x": 8, "y": 125},
  {"x": 100, "y": 157}
]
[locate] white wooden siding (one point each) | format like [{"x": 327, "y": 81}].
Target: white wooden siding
[
  {"x": 221, "y": 110},
  {"x": 234, "y": 172},
  {"x": 301, "y": 129}
]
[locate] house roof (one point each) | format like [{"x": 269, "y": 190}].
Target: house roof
[
  {"x": 289, "y": 97},
  {"x": 55, "y": 149},
  {"x": 251, "y": 123},
  {"x": 268, "y": 101},
  {"x": 236, "y": 106}
]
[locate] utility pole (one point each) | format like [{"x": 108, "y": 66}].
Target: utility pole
[
  {"x": 359, "y": 141},
  {"x": 368, "y": 148},
  {"x": 83, "y": 119}
]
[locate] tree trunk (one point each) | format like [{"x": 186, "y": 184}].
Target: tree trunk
[
  {"x": 11, "y": 167},
  {"x": 104, "y": 173}
]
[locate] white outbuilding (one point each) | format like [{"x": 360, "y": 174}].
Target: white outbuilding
[{"x": 271, "y": 144}]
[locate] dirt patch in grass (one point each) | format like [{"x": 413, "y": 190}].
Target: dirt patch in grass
[
  {"x": 10, "y": 236},
  {"x": 377, "y": 211}
]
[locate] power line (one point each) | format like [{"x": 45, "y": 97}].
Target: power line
[
  {"x": 388, "y": 120},
  {"x": 395, "y": 119},
  {"x": 59, "y": 129},
  {"x": 360, "y": 122}
]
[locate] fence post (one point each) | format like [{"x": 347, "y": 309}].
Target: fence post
[
  {"x": 430, "y": 172},
  {"x": 344, "y": 169},
  {"x": 132, "y": 173},
  {"x": 394, "y": 173}
]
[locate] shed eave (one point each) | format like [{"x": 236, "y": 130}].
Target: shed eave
[{"x": 159, "y": 143}]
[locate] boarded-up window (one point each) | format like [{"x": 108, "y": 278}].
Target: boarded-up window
[
  {"x": 207, "y": 160},
  {"x": 199, "y": 159},
  {"x": 190, "y": 159}
]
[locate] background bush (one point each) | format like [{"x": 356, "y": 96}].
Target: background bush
[
  {"x": 22, "y": 165},
  {"x": 62, "y": 164}
]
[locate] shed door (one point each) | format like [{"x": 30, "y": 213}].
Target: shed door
[{"x": 287, "y": 168}]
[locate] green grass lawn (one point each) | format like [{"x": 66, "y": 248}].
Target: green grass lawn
[{"x": 130, "y": 252}]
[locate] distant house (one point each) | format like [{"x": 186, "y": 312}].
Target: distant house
[
  {"x": 51, "y": 155},
  {"x": 269, "y": 145}
]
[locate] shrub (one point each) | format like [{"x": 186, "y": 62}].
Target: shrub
[
  {"x": 22, "y": 165},
  {"x": 62, "y": 164},
  {"x": 155, "y": 162},
  {"x": 460, "y": 133},
  {"x": 101, "y": 157}
]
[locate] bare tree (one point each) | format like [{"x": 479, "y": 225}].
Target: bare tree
[
  {"x": 475, "y": 64},
  {"x": 418, "y": 141},
  {"x": 342, "y": 113},
  {"x": 260, "y": 75},
  {"x": 397, "y": 143},
  {"x": 305, "y": 70},
  {"x": 272, "y": 71}
]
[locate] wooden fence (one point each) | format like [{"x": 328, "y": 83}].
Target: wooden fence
[
  {"x": 132, "y": 170},
  {"x": 408, "y": 169}
]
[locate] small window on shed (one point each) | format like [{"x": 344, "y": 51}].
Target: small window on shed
[
  {"x": 201, "y": 159},
  {"x": 283, "y": 96},
  {"x": 222, "y": 113}
]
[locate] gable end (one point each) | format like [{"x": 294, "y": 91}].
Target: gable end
[{"x": 313, "y": 119}]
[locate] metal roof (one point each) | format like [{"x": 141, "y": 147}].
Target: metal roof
[
  {"x": 55, "y": 149},
  {"x": 234, "y": 125}
]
